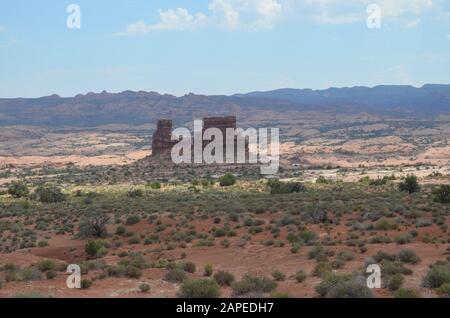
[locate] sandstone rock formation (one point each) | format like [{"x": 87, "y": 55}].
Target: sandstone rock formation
[
  {"x": 162, "y": 143},
  {"x": 221, "y": 123}
]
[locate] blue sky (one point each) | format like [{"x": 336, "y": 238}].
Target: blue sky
[{"x": 219, "y": 46}]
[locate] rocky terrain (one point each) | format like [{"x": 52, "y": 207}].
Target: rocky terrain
[{"x": 364, "y": 180}]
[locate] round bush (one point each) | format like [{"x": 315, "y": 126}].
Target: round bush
[
  {"x": 300, "y": 276},
  {"x": 199, "y": 288},
  {"x": 133, "y": 219},
  {"x": 344, "y": 286},
  {"x": 278, "y": 276},
  {"x": 227, "y": 180},
  {"x": 188, "y": 267},
  {"x": 224, "y": 278},
  {"x": 407, "y": 293},
  {"x": 408, "y": 256},
  {"x": 18, "y": 189},
  {"x": 253, "y": 284},
  {"x": 51, "y": 274},
  {"x": 50, "y": 194},
  {"x": 175, "y": 276},
  {"x": 208, "y": 270},
  {"x": 86, "y": 283},
  {"x": 144, "y": 288},
  {"x": 437, "y": 276},
  {"x": 394, "y": 282}
]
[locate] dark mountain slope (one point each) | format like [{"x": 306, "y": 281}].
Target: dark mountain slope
[{"x": 145, "y": 107}]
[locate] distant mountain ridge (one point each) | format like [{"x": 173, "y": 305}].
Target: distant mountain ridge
[
  {"x": 430, "y": 97},
  {"x": 127, "y": 107},
  {"x": 131, "y": 107}
]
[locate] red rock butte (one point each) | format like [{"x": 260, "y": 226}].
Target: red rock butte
[{"x": 162, "y": 143}]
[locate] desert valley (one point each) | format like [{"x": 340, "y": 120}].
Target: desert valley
[{"x": 364, "y": 179}]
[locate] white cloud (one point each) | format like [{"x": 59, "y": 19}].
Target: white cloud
[
  {"x": 352, "y": 11},
  {"x": 269, "y": 11},
  {"x": 399, "y": 8},
  {"x": 2, "y": 29},
  {"x": 247, "y": 14},
  {"x": 266, "y": 14},
  {"x": 325, "y": 18},
  {"x": 229, "y": 14},
  {"x": 448, "y": 36},
  {"x": 171, "y": 20}
]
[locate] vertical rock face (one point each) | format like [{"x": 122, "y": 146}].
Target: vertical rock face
[
  {"x": 162, "y": 143},
  {"x": 221, "y": 123}
]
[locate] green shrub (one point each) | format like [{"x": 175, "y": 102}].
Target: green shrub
[
  {"x": 444, "y": 290},
  {"x": 224, "y": 278},
  {"x": 323, "y": 180},
  {"x": 437, "y": 276},
  {"x": 135, "y": 193},
  {"x": 18, "y": 189},
  {"x": 42, "y": 244},
  {"x": 227, "y": 180},
  {"x": 278, "y": 276},
  {"x": 94, "y": 225},
  {"x": 51, "y": 274},
  {"x": 175, "y": 276},
  {"x": 394, "y": 282},
  {"x": 404, "y": 239},
  {"x": 442, "y": 194},
  {"x": 46, "y": 265},
  {"x": 144, "y": 288},
  {"x": 253, "y": 284},
  {"x": 391, "y": 268},
  {"x": 410, "y": 185},
  {"x": 208, "y": 270},
  {"x": 133, "y": 271},
  {"x": 344, "y": 286},
  {"x": 155, "y": 185},
  {"x": 188, "y": 267},
  {"x": 385, "y": 225},
  {"x": 31, "y": 273},
  {"x": 379, "y": 181},
  {"x": 49, "y": 194},
  {"x": 322, "y": 269},
  {"x": 95, "y": 248},
  {"x": 300, "y": 276},
  {"x": 121, "y": 230},
  {"x": 133, "y": 219},
  {"x": 318, "y": 253},
  {"x": 86, "y": 283},
  {"x": 199, "y": 288},
  {"x": 407, "y": 293},
  {"x": 278, "y": 187},
  {"x": 308, "y": 236},
  {"x": 408, "y": 257},
  {"x": 381, "y": 256}
]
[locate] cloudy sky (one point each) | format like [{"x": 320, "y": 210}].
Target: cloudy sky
[{"x": 220, "y": 46}]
